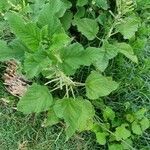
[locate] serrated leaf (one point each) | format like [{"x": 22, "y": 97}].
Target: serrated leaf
[
  {"x": 101, "y": 138},
  {"x": 44, "y": 32},
  {"x": 136, "y": 128},
  {"x": 35, "y": 63},
  {"x": 107, "y": 52},
  {"x": 73, "y": 56},
  {"x": 90, "y": 55},
  {"x": 102, "y": 63},
  {"x": 15, "y": 21},
  {"x": 65, "y": 5},
  {"x": 85, "y": 121},
  {"x": 81, "y": 2},
  {"x": 108, "y": 113},
  {"x": 128, "y": 26},
  {"x": 51, "y": 119},
  {"x": 122, "y": 133},
  {"x": 57, "y": 9},
  {"x": 145, "y": 123},
  {"x": 35, "y": 102},
  {"x": 51, "y": 20},
  {"x": 16, "y": 44},
  {"x": 69, "y": 110},
  {"x": 88, "y": 27},
  {"x": 98, "y": 85},
  {"x": 59, "y": 40},
  {"x": 37, "y": 6},
  {"x": 7, "y": 53},
  {"x": 66, "y": 20},
  {"x": 102, "y": 4},
  {"x": 31, "y": 36},
  {"x": 28, "y": 33},
  {"x": 74, "y": 112},
  {"x": 127, "y": 50}
]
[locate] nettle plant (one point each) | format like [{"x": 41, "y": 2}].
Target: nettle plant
[{"x": 54, "y": 41}]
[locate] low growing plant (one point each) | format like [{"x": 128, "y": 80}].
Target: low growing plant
[{"x": 64, "y": 47}]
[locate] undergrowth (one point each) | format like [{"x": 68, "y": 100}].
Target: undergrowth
[{"x": 86, "y": 68}]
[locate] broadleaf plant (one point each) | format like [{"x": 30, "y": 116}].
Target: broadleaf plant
[{"x": 64, "y": 48}]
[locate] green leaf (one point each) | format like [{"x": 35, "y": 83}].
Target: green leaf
[
  {"x": 128, "y": 26},
  {"x": 59, "y": 40},
  {"x": 73, "y": 56},
  {"x": 122, "y": 133},
  {"x": 7, "y": 53},
  {"x": 108, "y": 113},
  {"x": 143, "y": 4},
  {"x": 88, "y": 27},
  {"x": 66, "y": 20},
  {"x": 31, "y": 36},
  {"x": 16, "y": 22},
  {"x": 145, "y": 123},
  {"x": 51, "y": 20},
  {"x": 51, "y": 119},
  {"x": 4, "y": 5},
  {"x": 115, "y": 147},
  {"x": 102, "y": 19},
  {"x": 107, "y": 52},
  {"x": 81, "y": 2},
  {"x": 85, "y": 121},
  {"x": 16, "y": 44},
  {"x": 127, "y": 144},
  {"x": 101, "y": 4},
  {"x": 136, "y": 128},
  {"x": 127, "y": 50},
  {"x": 98, "y": 85},
  {"x": 140, "y": 113},
  {"x": 28, "y": 33},
  {"x": 80, "y": 13},
  {"x": 37, "y": 6},
  {"x": 35, "y": 63},
  {"x": 57, "y": 9},
  {"x": 36, "y": 99},
  {"x": 64, "y": 6},
  {"x": 74, "y": 113},
  {"x": 130, "y": 118},
  {"x": 101, "y": 138},
  {"x": 90, "y": 55}
]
